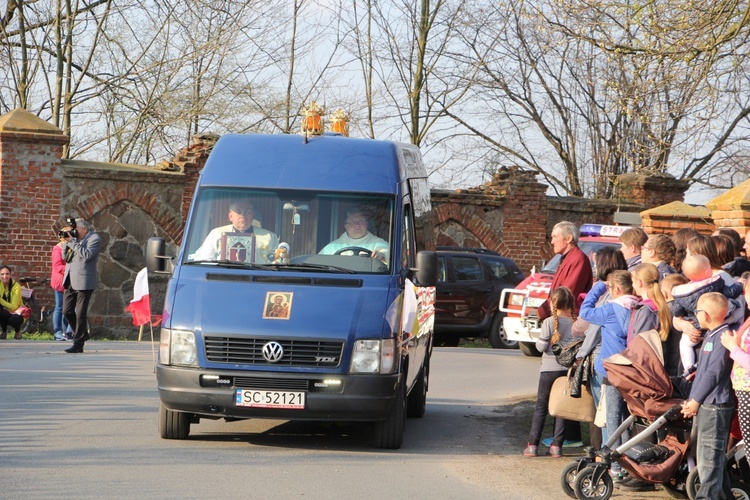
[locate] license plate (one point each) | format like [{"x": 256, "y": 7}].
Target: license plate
[
  {"x": 534, "y": 302},
  {"x": 270, "y": 399}
]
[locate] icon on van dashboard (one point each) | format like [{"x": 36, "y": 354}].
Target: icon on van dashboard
[{"x": 278, "y": 305}]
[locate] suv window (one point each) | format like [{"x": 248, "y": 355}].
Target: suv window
[
  {"x": 498, "y": 268},
  {"x": 467, "y": 269}
]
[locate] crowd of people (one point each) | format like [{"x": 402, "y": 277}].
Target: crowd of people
[{"x": 691, "y": 288}]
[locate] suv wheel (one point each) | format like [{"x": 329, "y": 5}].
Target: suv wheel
[{"x": 497, "y": 337}]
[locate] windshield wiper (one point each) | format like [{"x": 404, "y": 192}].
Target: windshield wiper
[
  {"x": 234, "y": 264},
  {"x": 301, "y": 266}
]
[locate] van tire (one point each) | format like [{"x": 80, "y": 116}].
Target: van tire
[
  {"x": 389, "y": 433},
  {"x": 416, "y": 402},
  {"x": 497, "y": 336},
  {"x": 173, "y": 424},
  {"x": 529, "y": 349}
]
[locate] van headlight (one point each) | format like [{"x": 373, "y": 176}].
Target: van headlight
[
  {"x": 373, "y": 356},
  {"x": 177, "y": 348}
]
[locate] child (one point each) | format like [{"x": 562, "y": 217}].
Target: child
[
  {"x": 671, "y": 348},
  {"x": 738, "y": 345},
  {"x": 711, "y": 398},
  {"x": 652, "y": 312},
  {"x": 697, "y": 268},
  {"x": 554, "y": 329},
  {"x": 613, "y": 317}
]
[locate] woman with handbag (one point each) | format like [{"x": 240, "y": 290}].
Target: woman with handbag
[
  {"x": 10, "y": 300},
  {"x": 554, "y": 329}
]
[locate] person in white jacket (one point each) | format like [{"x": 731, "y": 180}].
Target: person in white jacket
[{"x": 358, "y": 236}]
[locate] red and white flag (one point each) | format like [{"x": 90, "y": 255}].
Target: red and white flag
[{"x": 140, "y": 306}]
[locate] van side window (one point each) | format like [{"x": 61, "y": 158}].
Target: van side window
[
  {"x": 407, "y": 248},
  {"x": 467, "y": 269}
]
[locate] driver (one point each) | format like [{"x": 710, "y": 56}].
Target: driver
[
  {"x": 241, "y": 217},
  {"x": 358, "y": 236}
]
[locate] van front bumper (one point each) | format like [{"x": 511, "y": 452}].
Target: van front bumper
[{"x": 357, "y": 398}]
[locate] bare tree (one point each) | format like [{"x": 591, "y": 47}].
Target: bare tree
[{"x": 584, "y": 92}]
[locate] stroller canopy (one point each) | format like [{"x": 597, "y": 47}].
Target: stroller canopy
[{"x": 638, "y": 373}]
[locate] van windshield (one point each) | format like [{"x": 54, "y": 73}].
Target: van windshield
[{"x": 304, "y": 230}]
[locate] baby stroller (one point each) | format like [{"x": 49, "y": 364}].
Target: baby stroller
[{"x": 658, "y": 450}]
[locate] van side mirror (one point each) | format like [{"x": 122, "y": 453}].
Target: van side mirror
[
  {"x": 156, "y": 260},
  {"x": 427, "y": 268}
]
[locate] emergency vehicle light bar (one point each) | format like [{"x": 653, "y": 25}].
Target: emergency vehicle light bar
[{"x": 602, "y": 230}]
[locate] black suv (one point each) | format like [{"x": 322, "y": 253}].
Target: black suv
[{"x": 468, "y": 293}]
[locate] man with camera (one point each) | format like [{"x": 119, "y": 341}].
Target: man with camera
[{"x": 81, "y": 278}]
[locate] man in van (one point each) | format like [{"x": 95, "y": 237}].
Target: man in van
[
  {"x": 240, "y": 215},
  {"x": 357, "y": 235}
]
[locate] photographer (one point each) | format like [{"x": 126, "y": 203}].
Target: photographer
[{"x": 82, "y": 247}]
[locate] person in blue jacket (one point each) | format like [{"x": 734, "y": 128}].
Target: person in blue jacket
[{"x": 613, "y": 317}]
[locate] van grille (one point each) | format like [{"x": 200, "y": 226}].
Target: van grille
[{"x": 296, "y": 352}]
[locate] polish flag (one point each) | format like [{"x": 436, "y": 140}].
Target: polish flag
[{"x": 140, "y": 306}]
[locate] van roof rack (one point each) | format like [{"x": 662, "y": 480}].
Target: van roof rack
[{"x": 485, "y": 251}]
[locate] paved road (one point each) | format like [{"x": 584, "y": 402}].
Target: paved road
[{"x": 84, "y": 426}]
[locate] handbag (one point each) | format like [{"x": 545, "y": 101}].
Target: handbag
[
  {"x": 563, "y": 405},
  {"x": 565, "y": 351},
  {"x": 23, "y": 311}
]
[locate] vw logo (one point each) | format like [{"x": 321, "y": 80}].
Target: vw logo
[{"x": 272, "y": 351}]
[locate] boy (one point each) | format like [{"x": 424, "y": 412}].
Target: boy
[{"x": 711, "y": 399}]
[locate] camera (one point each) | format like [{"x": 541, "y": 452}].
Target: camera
[{"x": 69, "y": 231}]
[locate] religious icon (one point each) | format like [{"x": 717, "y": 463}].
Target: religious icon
[{"x": 278, "y": 305}]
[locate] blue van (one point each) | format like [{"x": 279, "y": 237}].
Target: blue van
[{"x": 304, "y": 287}]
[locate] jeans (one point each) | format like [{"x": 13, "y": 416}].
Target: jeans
[
  {"x": 617, "y": 412},
  {"x": 714, "y": 422},
  {"x": 59, "y": 323},
  {"x": 546, "y": 379}
]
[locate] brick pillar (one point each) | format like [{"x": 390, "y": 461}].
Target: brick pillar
[
  {"x": 732, "y": 209},
  {"x": 525, "y": 214},
  {"x": 190, "y": 161},
  {"x": 669, "y": 218},
  {"x": 31, "y": 182},
  {"x": 651, "y": 191}
]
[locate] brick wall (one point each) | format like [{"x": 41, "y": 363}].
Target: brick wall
[{"x": 31, "y": 178}]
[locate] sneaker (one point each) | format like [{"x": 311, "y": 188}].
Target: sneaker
[
  {"x": 59, "y": 336},
  {"x": 555, "y": 451},
  {"x": 618, "y": 476},
  {"x": 566, "y": 443},
  {"x": 531, "y": 450},
  {"x": 67, "y": 337}
]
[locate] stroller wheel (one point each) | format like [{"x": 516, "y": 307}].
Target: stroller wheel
[
  {"x": 740, "y": 490},
  {"x": 593, "y": 482},
  {"x": 568, "y": 476}
]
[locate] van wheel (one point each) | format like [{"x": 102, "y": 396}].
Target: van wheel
[
  {"x": 497, "y": 336},
  {"x": 389, "y": 433},
  {"x": 416, "y": 402},
  {"x": 173, "y": 424},
  {"x": 529, "y": 349}
]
